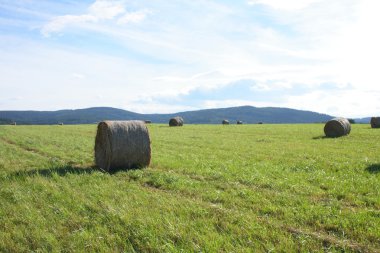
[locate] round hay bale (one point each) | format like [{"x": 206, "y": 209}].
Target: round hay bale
[
  {"x": 337, "y": 127},
  {"x": 239, "y": 122},
  {"x": 122, "y": 145},
  {"x": 375, "y": 122},
  {"x": 176, "y": 121},
  {"x": 225, "y": 122}
]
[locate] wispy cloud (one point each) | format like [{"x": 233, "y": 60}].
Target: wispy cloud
[
  {"x": 78, "y": 76},
  {"x": 100, "y": 10},
  {"x": 59, "y": 23},
  {"x": 299, "y": 54},
  {"x": 106, "y": 9},
  {"x": 133, "y": 17},
  {"x": 284, "y": 5}
]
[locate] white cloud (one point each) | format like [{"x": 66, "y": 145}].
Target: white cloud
[
  {"x": 355, "y": 51},
  {"x": 285, "y": 5},
  {"x": 209, "y": 104},
  {"x": 133, "y": 17},
  {"x": 78, "y": 76},
  {"x": 272, "y": 85},
  {"x": 59, "y": 23},
  {"x": 345, "y": 103},
  {"x": 17, "y": 98},
  {"x": 106, "y": 9},
  {"x": 99, "y": 11},
  {"x": 153, "y": 107}
]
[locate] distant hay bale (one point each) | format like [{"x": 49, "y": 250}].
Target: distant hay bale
[
  {"x": 239, "y": 122},
  {"x": 148, "y": 121},
  {"x": 14, "y": 123},
  {"x": 337, "y": 127},
  {"x": 60, "y": 123},
  {"x": 375, "y": 122},
  {"x": 225, "y": 122},
  {"x": 176, "y": 121},
  {"x": 122, "y": 145}
]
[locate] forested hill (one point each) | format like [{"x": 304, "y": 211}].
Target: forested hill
[{"x": 247, "y": 114}]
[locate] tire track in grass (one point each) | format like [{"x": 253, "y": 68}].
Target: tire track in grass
[
  {"x": 325, "y": 238},
  {"x": 28, "y": 149},
  {"x": 330, "y": 240},
  {"x": 317, "y": 235},
  {"x": 31, "y": 150}
]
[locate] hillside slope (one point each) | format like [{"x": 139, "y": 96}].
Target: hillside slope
[{"x": 248, "y": 114}]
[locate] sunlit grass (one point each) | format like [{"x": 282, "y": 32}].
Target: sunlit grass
[{"x": 209, "y": 188}]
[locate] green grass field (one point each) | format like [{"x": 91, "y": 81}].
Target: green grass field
[{"x": 210, "y": 188}]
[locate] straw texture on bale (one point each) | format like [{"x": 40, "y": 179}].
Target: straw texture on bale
[
  {"x": 375, "y": 122},
  {"x": 337, "y": 127},
  {"x": 225, "y": 122},
  {"x": 176, "y": 121},
  {"x": 239, "y": 122},
  {"x": 122, "y": 145}
]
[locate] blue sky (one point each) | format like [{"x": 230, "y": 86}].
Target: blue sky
[{"x": 168, "y": 56}]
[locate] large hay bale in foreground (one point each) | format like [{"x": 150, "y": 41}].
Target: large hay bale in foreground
[
  {"x": 122, "y": 145},
  {"x": 176, "y": 121},
  {"x": 375, "y": 122},
  {"x": 225, "y": 122},
  {"x": 337, "y": 127}
]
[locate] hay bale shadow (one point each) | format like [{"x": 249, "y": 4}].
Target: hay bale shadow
[
  {"x": 116, "y": 170},
  {"x": 374, "y": 168},
  {"x": 320, "y": 137},
  {"x": 60, "y": 170},
  {"x": 67, "y": 169}
]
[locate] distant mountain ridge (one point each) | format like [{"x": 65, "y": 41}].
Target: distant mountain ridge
[
  {"x": 363, "y": 120},
  {"x": 247, "y": 114}
]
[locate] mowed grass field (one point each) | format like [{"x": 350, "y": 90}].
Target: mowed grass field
[{"x": 210, "y": 188}]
